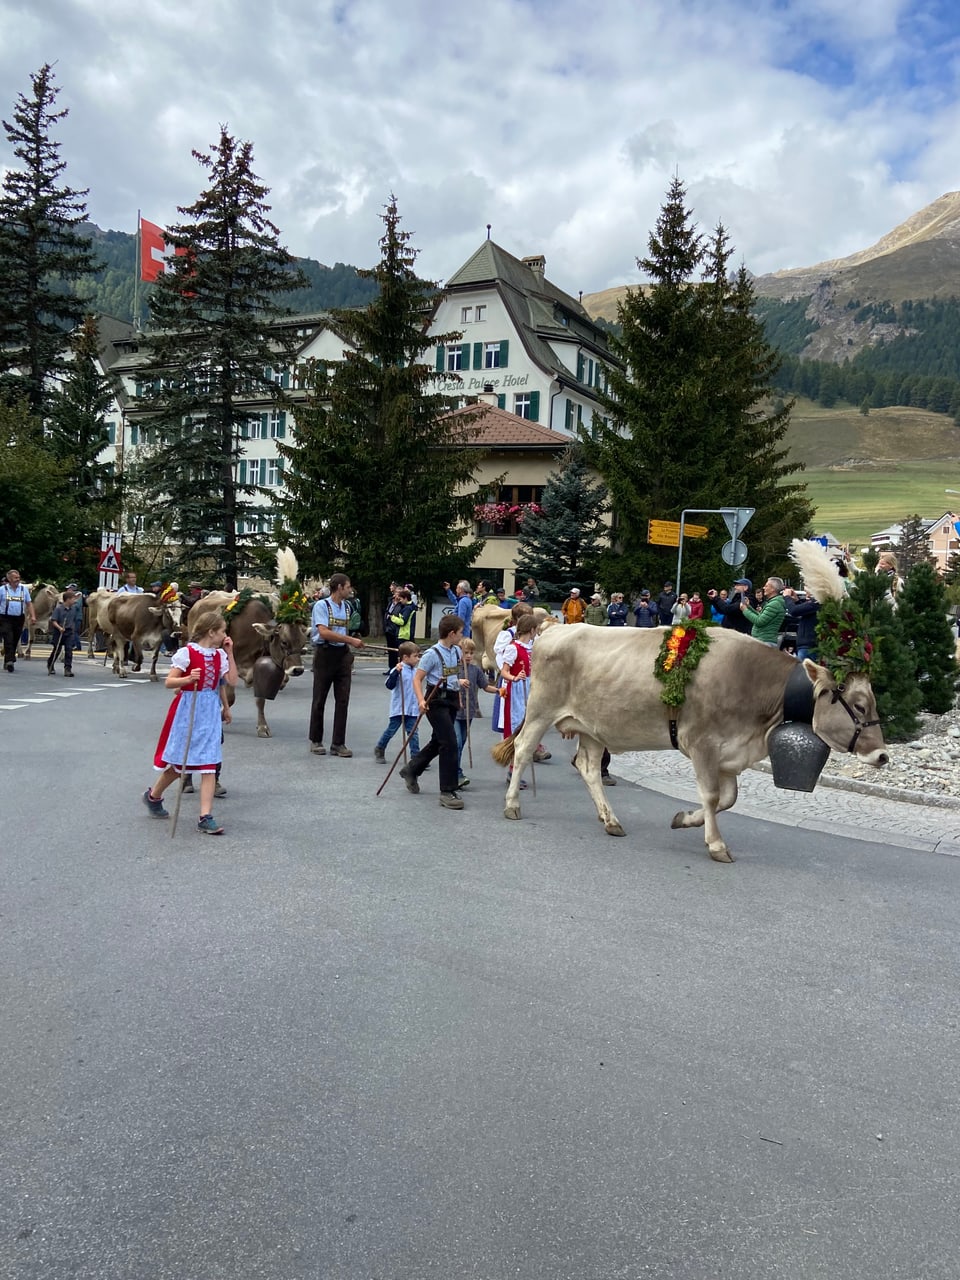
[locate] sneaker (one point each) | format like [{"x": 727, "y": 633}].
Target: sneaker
[
  {"x": 317, "y": 749},
  {"x": 208, "y": 826},
  {"x": 219, "y": 791},
  {"x": 450, "y": 800},
  {"x": 155, "y": 806},
  {"x": 462, "y": 782},
  {"x": 342, "y": 751},
  {"x": 8, "y": 666},
  {"x": 410, "y": 779},
  {"x": 542, "y": 754},
  {"x": 378, "y": 754},
  {"x": 67, "y": 675},
  {"x": 607, "y": 780}
]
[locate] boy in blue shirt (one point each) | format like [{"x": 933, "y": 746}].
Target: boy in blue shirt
[
  {"x": 403, "y": 699},
  {"x": 437, "y": 684}
]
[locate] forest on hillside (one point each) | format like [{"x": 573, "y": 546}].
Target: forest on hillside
[{"x": 112, "y": 290}]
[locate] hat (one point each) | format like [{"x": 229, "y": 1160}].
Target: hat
[
  {"x": 574, "y": 591},
  {"x": 668, "y": 583},
  {"x": 743, "y": 582},
  {"x": 71, "y": 586},
  {"x": 644, "y": 595},
  {"x": 155, "y": 585},
  {"x": 596, "y": 596}
]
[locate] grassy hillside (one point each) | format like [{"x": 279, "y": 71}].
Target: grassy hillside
[{"x": 866, "y": 472}]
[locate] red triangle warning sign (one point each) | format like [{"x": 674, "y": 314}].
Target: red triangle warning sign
[{"x": 109, "y": 561}]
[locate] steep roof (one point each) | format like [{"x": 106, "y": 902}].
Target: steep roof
[
  {"x": 492, "y": 428},
  {"x": 539, "y": 309}
]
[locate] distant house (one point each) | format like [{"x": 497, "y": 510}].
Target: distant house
[{"x": 943, "y": 540}]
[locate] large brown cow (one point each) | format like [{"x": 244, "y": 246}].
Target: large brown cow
[
  {"x": 257, "y": 634},
  {"x": 487, "y": 622},
  {"x": 138, "y": 620},
  {"x": 44, "y": 597},
  {"x": 599, "y": 683}
]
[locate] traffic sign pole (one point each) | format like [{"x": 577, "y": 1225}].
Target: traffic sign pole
[{"x": 735, "y": 518}]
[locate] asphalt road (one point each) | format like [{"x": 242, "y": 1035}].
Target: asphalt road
[{"x": 362, "y": 1038}]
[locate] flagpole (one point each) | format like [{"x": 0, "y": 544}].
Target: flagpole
[{"x": 136, "y": 275}]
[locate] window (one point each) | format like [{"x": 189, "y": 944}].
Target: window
[
  {"x": 526, "y": 404},
  {"x": 278, "y": 424},
  {"x": 481, "y": 312},
  {"x": 111, "y": 433},
  {"x": 274, "y": 471},
  {"x": 455, "y": 359},
  {"x": 466, "y": 315},
  {"x": 491, "y": 355},
  {"x": 518, "y": 496},
  {"x": 253, "y": 471},
  {"x": 134, "y": 434}
]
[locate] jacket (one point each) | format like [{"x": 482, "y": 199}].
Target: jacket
[
  {"x": 573, "y": 609},
  {"x": 596, "y": 615},
  {"x": 647, "y": 614},
  {"x": 768, "y": 620},
  {"x": 731, "y": 617},
  {"x": 805, "y": 612},
  {"x": 617, "y": 614}
]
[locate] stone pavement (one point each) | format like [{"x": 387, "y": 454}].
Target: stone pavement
[{"x": 857, "y": 810}]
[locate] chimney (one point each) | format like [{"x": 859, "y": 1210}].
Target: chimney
[
  {"x": 537, "y": 264},
  {"x": 488, "y": 395}
]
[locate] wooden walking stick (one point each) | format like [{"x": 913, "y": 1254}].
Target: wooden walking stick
[
  {"x": 463, "y": 663},
  {"x": 403, "y": 717},
  {"x": 183, "y": 766}
]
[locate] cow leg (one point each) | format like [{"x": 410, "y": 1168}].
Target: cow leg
[
  {"x": 588, "y": 759},
  {"x": 525, "y": 744},
  {"x": 263, "y": 729},
  {"x": 718, "y": 791},
  {"x": 153, "y": 665},
  {"x": 119, "y": 669}
]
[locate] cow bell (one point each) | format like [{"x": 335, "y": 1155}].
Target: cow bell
[
  {"x": 797, "y": 756},
  {"x": 267, "y": 678}
]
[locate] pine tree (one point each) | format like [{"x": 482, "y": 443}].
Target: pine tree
[
  {"x": 77, "y": 434},
  {"x": 37, "y": 511},
  {"x": 686, "y": 424},
  {"x": 561, "y": 546},
  {"x": 381, "y": 481},
  {"x": 42, "y": 254},
  {"x": 213, "y": 342},
  {"x": 893, "y": 669},
  {"x": 923, "y": 611}
]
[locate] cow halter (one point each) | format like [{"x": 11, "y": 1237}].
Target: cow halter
[{"x": 836, "y": 695}]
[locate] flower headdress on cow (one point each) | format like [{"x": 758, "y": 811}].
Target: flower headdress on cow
[
  {"x": 843, "y": 646},
  {"x": 292, "y": 604}
]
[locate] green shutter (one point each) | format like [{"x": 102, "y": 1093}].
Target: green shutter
[
  {"x": 579, "y": 415},
  {"x": 285, "y": 379},
  {"x": 534, "y": 406},
  {"x": 440, "y": 361},
  {"x": 504, "y": 351},
  {"x": 243, "y": 471},
  {"x": 280, "y": 462},
  {"x": 282, "y": 426},
  {"x": 465, "y": 355},
  {"x": 580, "y": 364},
  {"x": 568, "y": 415},
  {"x": 478, "y": 355},
  {"x": 134, "y": 434},
  {"x": 264, "y": 426},
  {"x": 501, "y": 402},
  {"x": 245, "y": 429},
  {"x": 112, "y": 432}
]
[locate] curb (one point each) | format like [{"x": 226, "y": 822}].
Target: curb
[{"x": 902, "y": 794}]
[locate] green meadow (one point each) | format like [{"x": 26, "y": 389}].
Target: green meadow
[{"x": 864, "y": 472}]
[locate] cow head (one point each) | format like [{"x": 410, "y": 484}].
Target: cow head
[
  {"x": 284, "y": 643},
  {"x": 845, "y": 715},
  {"x": 170, "y": 614}
]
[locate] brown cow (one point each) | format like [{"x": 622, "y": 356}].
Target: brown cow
[
  {"x": 257, "y": 634},
  {"x": 44, "y": 597},
  {"x": 599, "y": 683},
  {"x": 138, "y": 620},
  {"x": 487, "y": 622}
]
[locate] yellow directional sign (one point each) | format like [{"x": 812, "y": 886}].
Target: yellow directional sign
[{"x": 666, "y": 533}]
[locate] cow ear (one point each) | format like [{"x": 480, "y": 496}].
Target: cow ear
[
  {"x": 819, "y": 675},
  {"x": 265, "y": 629},
  {"x": 155, "y": 611}
]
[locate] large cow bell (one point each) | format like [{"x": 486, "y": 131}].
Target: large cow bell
[
  {"x": 267, "y": 678},
  {"x": 797, "y": 756}
]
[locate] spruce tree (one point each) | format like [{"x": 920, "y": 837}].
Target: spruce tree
[
  {"x": 43, "y": 255},
  {"x": 38, "y": 516},
  {"x": 561, "y": 546},
  {"x": 893, "y": 668},
  {"x": 914, "y": 545},
  {"x": 686, "y": 423},
  {"x": 923, "y": 611},
  {"x": 77, "y": 434},
  {"x": 212, "y": 344},
  {"x": 381, "y": 481}
]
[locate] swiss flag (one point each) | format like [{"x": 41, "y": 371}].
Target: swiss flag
[{"x": 153, "y": 250}]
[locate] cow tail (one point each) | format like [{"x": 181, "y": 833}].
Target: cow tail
[{"x": 503, "y": 751}]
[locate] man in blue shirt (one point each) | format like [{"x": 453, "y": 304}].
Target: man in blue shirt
[
  {"x": 16, "y": 610},
  {"x": 463, "y": 602}
]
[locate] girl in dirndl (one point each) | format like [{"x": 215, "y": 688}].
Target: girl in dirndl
[
  {"x": 515, "y": 673},
  {"x": 199, "y": 672}
]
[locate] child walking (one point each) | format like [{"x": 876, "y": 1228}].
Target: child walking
[
  {"x": 515, "y": 672},
  {"x": 64, "y": 633},
  {"x": 469, "y": 702},
  {"x": 437, "y": 683},
  {"x": 403, "y": 699},
  {"x": 198, "y": 672}
]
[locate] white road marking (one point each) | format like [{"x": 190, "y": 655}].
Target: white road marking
[
  {"x": 38, "y": 700},
  {"x": 9, "y": 707}
]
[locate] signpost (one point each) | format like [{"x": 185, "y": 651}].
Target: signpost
[
  {"x": 109, "y": 564},
  {"x": 666, "y": 533},
  {"x": 736, "y": 520}
]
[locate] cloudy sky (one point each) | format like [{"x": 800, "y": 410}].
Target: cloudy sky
[{"x": 808, "y": 127}]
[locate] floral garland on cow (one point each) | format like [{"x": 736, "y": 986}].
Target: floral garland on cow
[
  {"x": 843, "y": 646},
  {"x": 679, "y": 656},
  {"x": 233, "y": 610}
]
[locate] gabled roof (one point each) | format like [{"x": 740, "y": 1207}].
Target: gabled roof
[
  {"x": 493, "y": 428},
  {"x": 538, "y": 309}
]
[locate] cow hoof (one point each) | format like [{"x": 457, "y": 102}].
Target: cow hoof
[
  {"x": 678, "y": 821},
  {"x": 154, "y": 677},
  {"x": 263, "y": 731},
  {"x": 720, "y": 853},
  {"x": 512, "y": 811},
  {"x": 122, "y": 675},
  {"x": 614, "y": 829}
]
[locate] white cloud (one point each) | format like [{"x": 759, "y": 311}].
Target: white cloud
[{"x": 809, "y": 127}]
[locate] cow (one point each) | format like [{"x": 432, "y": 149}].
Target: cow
[
  {"x": 486, "y": 623},
  {"x": 600, "y": 684},
  {"x": 95, "y": 606},
  {"x": 138, "y": 620},
  {"x": 257, "y": 634},
  {"x": 44, "y": 597}
]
